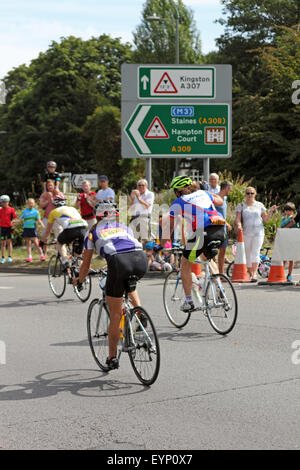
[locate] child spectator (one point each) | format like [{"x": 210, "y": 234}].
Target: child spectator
[
  {"x": 168, "y": 257},
  {"x": 51, "y": 174},
  {"x": 155, "y": 261},
  {"x": 7, "y": 214},
  {"x": 288, "y": 221},
  {"x": 30, "y": 216}
]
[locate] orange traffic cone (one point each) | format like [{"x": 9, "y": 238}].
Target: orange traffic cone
[
  {"x": 276, "y": 274},
  {"x": 196, "y": 269},
  {"x": 240, "y": 273}
]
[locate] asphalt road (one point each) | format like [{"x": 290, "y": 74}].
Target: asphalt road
[{"x": 213, "y": 392}]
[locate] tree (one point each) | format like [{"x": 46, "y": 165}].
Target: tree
[
  {"x": 155, "y": 41},
  {"x": 49, "y": 103}
]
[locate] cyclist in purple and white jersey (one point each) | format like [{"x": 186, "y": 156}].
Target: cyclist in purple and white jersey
[{"x": 125, "y": 257}]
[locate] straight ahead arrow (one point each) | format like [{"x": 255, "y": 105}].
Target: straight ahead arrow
[{"x": 145, "y": 81}]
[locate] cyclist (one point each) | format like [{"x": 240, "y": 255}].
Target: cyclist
[
  {"x": 74, "y": 227},
  {"x": 203, "y": 223},
  {"x": 125, "y": 257}
]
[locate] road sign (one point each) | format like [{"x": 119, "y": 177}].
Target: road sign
[
  {"x": 168, "y": 130},
  {"x": 176, "y": 82},
  {"x": 77, "y": 180}
]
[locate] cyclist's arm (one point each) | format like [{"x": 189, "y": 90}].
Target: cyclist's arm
[
  {"x": 47, "y": 232},
  {"x": 85, "y": 265}
]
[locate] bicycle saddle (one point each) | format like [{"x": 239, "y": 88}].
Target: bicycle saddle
[
  {"x": 130, "y": 283},
  {"x": 212, "y": 249}
]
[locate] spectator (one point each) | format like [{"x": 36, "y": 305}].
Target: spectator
[
  {"x": 47, "y": 204},
  {"x": 105, "y": 193},
  {"x": 86, "y": 202},
  {"x": 213, "y": 183},
  {"x": 141, "y": 207},
  {"x": 51, "y": 174},
  {"x": 30, "y": 216},
  {"x": 288, "y": 221},
  {"x": 226, "y": 188},
  {"x": 7, "y": 214},
  {"x": 250, "y": 216},
  {"x": 168, "y": 257}
]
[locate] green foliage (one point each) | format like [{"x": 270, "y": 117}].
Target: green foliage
[{"x": 155, "y": 41}]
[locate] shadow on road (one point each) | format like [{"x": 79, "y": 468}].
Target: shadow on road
[
  {"x": 84, "y": 383},
  {"x": 34, "y": 302}
]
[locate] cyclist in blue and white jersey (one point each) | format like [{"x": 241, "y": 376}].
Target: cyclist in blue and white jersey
[
  {"x": 125, "y": 257},
  {"x": 203, "y": 225}
]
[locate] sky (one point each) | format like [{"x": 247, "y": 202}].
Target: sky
[{"x": 27, "y": 27}]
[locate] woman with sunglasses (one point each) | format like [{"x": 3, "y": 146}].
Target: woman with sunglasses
[{"x": 250, "y": 216}]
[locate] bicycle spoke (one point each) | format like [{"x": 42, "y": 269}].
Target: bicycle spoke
[
  {"x": 173, "y": 298},
  {"x": 97, "y": 327}
]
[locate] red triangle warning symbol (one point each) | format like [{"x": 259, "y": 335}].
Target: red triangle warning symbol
[
  {"x": 156, "y": 130},
  {"x": 165, "y": 85}
]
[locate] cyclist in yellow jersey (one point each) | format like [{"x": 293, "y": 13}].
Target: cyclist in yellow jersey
[{"x": 74, "y": 227}]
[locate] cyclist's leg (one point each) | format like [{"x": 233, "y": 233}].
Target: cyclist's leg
[
  {"x": 186, "y": 276},
  {"x": 115, "y": 311}
]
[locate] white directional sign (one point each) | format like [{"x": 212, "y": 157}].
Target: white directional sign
[
  {"x": 77, "y": 180},
  {"x": 176, "y": 82}
]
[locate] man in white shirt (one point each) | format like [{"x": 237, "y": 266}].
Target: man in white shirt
[
  {"x": 213, "y": 183},
  {"x": 140, "y": 210},
  {"x": 105, "y": 193}
]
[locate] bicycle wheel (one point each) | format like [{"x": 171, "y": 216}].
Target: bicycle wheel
[
  {"x": 264, "y": 269},
  {"x": 97, "y": 328},
  {"x": 229, "y": 269},
  {"x": 144, "y": 354},
  {"x": 85, "y": 293},
  {"x": 56, "y": 276},
  {"x": 173, "y": 298},
  {"x": 221, "y": 303}
]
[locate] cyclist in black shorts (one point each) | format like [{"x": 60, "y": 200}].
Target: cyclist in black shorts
[
  {"x": 125, "y": 257},
  {"x": 203, "y": 224}
]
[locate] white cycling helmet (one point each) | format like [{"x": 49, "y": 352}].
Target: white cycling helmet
[
  {"x": 106, "y": 209},
  {"x": 4, "y": 198}
]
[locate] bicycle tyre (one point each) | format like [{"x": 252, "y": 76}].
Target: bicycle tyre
[
  {"x": 229, "y": 269},
  {"x": 264, "y": 269},
  {"x": 173, "y": 297},
  {"x": 85, "y": 293},
  {"x": 56, "y": 276},
  {"x": 145, "y": 355},
  {"x": 223, "y": 315},
  {"x": 97, "y": 329}
]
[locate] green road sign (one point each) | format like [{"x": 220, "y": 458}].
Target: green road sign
[
  {"x": 176, "y": 82},
  {"x": 189, "y": 130}
]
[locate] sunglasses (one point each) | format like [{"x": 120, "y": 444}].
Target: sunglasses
[{"x": 249, "y": 193}]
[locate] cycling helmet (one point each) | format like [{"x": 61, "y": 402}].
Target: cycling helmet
[
  {"x": 4, "y": 198},
  {"x": 180, "y": 182},
  {"x": 59, "y": 201},
  {"x": 106, "y": 209},
  {"x": 52, "y": 164}
]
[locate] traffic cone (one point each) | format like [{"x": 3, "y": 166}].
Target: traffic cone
[
  {"x": 196, "y": 269},
  {"x": 240, "y": 273},
  {"x": 276, "y": 275}
]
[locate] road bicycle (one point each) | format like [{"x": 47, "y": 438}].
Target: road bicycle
[
  {"x": 214, "y": 296},
  {"x": 59, "y": 275},
  {"x": 138, "y": 337},
  {"x": 264, "y": 264}
]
